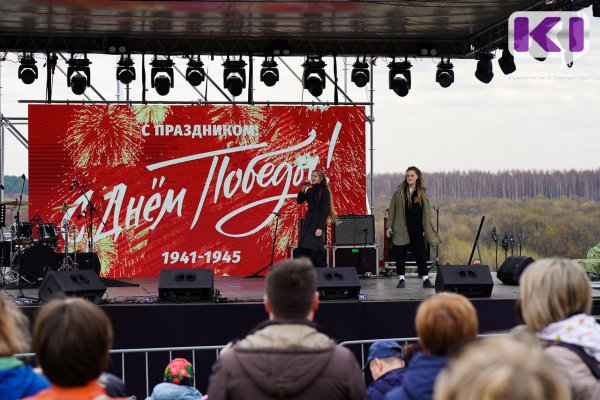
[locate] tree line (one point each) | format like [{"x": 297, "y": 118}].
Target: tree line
[
  {"x": 510, "y": 184},
  {"x": 12, "y": 184}
]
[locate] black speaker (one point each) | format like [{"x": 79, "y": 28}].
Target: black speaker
[
  {"x": 468, "y": 280},
  {"x": 337, "y": 283},
  {"x": 364, "y": 258},
  {"x": 354, "y": 230},
  {"x": 186, "y": 284},
  {"x": 82, "y": 283},
  {"x": 84, "y": 261},
  {"x": 511, "y": 269}
]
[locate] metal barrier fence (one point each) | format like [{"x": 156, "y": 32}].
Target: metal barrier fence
[
  {"x": 406, "y": 340},
  {"x": 119, "y": 356}
]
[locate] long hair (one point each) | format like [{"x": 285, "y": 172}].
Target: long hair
[
  {"x": 14, "y": 329},
  {"x": 332, "y": 215},
  {"x": 419, "y": 185}
]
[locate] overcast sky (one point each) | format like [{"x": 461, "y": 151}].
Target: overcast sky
[{"x": 543, "y": 116}]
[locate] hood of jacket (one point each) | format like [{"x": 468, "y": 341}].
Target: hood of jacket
[
  {"x": 419, "y": 378},
  {"x": 282, "y": 359},
  {"x": 171, "y": 391},
  {"x": 18, "y": 380}
]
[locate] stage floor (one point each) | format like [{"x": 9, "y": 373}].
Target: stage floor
[{"x": 239, "y": 289}]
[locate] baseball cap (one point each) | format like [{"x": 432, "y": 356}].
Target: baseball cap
[{"x": 384, "y": 349}]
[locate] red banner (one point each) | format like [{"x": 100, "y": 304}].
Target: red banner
[{"x": 188, "y": 186}]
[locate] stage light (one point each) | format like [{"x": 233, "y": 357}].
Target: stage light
[
  {"x": 125, "y": 70},
  {"x": 78, "y": 74},
  {"x": 399, "y": 77},
  {"x": 444, "y": 74},
  {"x": 360, "y": 73},
  {"x": 194, "y": 73},
  {"x": 269, "y": 74},
  {"x": 28, "y": 71},
  {"x": 484, "y": 71},
  {"x": 161, "y": 75},
  {"x": 313, "y": 78},
  {"x": 507, "y": 62},
  {"x": 234, "y": 76}
]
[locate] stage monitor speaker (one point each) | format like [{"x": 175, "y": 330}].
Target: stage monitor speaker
[
  {"x": 337, "y": 283},
  {"x": 468, "y": 280},
  {"x": 82, "y": 283},
  {"x": 511, "y": 269},
  {"x": 186, "y": 284},
  {"x": 354, "y": 230},
  {"x": 84, "y": 261}
]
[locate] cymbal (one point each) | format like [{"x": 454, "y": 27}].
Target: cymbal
[
  {"x": 14, "y": 203},
  {"x": 64, "y": 206}
]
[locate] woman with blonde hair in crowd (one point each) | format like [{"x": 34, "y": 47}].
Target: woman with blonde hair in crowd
[
  {"x": 444, "y": 323},
  {"x": 499, "y": 368},
  {"x": 17, "y": 380},
  {"x": 555, "y": 302}
]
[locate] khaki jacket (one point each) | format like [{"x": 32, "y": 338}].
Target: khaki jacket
[{"x": 397, "y": 219}]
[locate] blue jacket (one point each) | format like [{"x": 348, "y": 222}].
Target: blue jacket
[
  {"x": 392, "y": 379},
  {"x": 171, "y": 391},
  {"x": 419, "y": 378},
  {"x": 18, "y": 380}
]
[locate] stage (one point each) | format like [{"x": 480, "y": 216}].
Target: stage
[{"x": 382, "y": 311}]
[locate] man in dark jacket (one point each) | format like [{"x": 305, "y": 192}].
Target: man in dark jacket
[
  {"x": 386, "y": 363},
  {"x": 287, "y": 357}
]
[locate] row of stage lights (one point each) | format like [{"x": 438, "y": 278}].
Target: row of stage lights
[{"x": 234, "y": 73}]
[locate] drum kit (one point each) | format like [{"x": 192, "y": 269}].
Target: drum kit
[{"x": 28, "y": 249}]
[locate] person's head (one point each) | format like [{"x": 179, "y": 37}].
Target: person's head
[
  {"x": 180, "y": 372},
  {"x": 444, "y": 322},
  {"x": 318, "y": 177},
  {"x": 291, "y": 290},
  {"x": 414, "y": 178},
  {"x": 14, "y": 332},
  {"x": 384, "y": 356},
  {"x": 500, "y": 368},
  {"x": 71, "y": 339},
  {"x": 552, "y": 290}
]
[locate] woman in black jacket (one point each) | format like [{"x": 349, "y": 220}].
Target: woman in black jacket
[{"x": 313, "y": 235}]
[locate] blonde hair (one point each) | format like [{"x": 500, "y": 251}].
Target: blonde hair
[
  {"x": 499, "y": 368},
  {"x": 444, "y": 322},
  {"x": 14, "y": 330},
  {"x": 552, "y": 290}
]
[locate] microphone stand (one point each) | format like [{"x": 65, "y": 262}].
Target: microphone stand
[
  {"x": 91, "y": 220},
  {"x": 257, "y": 273},
  {"x": 476, "y": 244},
  {"x": 18, "y": 231}
]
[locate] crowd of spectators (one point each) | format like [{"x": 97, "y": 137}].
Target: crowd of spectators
[{"x": 553, "y": 355}]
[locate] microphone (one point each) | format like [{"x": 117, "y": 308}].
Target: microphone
[
  {"x": 274, "y": 213},
  {"x": 23, "y": 177},
  {"x": 305, "y": 183},
  {"x": 73, "y": 183},
  {"x": 82, "y": 214}
]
